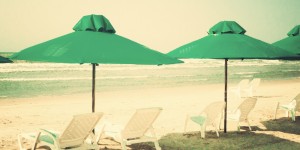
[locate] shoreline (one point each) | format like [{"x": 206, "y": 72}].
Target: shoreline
[
  {"x": 115, "y": 88},
  {"x": 21, "y": 115}
]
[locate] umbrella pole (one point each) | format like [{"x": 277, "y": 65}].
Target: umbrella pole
[
  {"x": 93, "y": 87},
  {"x": 225, "y": 98}
]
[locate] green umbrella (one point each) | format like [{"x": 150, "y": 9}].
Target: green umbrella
[
  {"x": 226, "y": 40},
  {"x": 4, "y": 60},
  {"x": 93, "y": 42},
  {"x": 292, "y": 42}
]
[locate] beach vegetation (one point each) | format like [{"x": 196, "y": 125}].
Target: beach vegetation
[{"x": 259, "y": 139}]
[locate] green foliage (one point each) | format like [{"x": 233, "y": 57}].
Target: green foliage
[
  {"x": 284, "y": 125},
  {"x": 230, "y": 141}
]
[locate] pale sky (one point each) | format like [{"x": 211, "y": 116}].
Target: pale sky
[{"x": 162, "y": 25}]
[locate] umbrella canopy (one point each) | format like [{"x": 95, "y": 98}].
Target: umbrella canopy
[
  {"x": 4, "y": 60},
  {"x": 292, "y": 42},
  {"x": 226, "y": 40},
  {"x": 94, "y": 41}
]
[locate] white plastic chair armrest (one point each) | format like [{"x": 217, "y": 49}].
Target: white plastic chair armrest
[{"x": 290, "y": 105}]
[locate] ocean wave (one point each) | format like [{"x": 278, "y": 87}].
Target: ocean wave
[
  {"x": 246, "y": 73},
  {"x": 289, "y": 70},
  {"x": 100, "y": 77},
  {"x": 42, "y": 79},
  {"x": 248, "y": 76},
  {"x": 189, "y": 63},
  {"x": 66, "y": 79},
  {"x": 27, "y": 67}
]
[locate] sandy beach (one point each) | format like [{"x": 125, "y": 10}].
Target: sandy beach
[{"x": 23, "y": 115}]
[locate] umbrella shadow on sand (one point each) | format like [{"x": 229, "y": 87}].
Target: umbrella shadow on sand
[
  {"x": 283, "y": 124},
  {"x": 229, "y": 140},
  {"x": 258, "y": 138}
]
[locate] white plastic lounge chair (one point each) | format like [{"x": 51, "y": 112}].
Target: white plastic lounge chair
[
  {"x": 242, "y": 112},
  {"x": 243, "y": 84},
  {"x": 290, "y": 108},
  {"x": 211, "y": 115},
  {"x": 136, "y": 129},
  {"x": 73, "y": 137},
  {"x": 251, "y": 89}
]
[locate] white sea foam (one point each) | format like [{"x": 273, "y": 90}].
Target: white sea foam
[
  {"x": 290, "y": 70},
  {"x": 248, "y": 76},
  {"x": 245, "y": 73},
  {"x": 41, "y": 79},
  {"x": 100, "y": 77},
  {"x": 26, "y": 67},
  {"x": 193, "y": 71},
  {"x": 69, "y": 78},
  {"x": 21, "y": 67},
  {"x": 193, "y": 64},
  {"x": 188, "y": 63}
]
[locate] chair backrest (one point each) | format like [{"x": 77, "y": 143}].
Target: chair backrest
[
  {"x": 79, "y": 129},
  {"x": 213, "y": 111},
  {"x": 243, "y": 84},
  {"x": 245, "y": 107},
  {"x": 297, "y": 98},
  {"x": 255, "y": 83},
  {"x": 140, "y": 122}
]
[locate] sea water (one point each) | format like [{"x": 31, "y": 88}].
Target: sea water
[{"x": 27, "y": 79}]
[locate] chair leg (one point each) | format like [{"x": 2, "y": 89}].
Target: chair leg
[
  {"x": 186, "y": 122},
  {"x": 276, "y": 110},
  {"x": 221, "y": 120},
  {"x": 249, "y": 125},
  {"x": 98, "y": 133},
  {"x": 293, "y": 115},
  {"x": 203, "y": 128},
  {"x": 238, "y": 126},
  {"x": 157, "y": 147},
  {"x": 123, "y": 144},
  {"x": 36, "y": 141},
  {"x": 216, "y": 128},
  {"x": 20, "y": 142},
  {"x": 220, "y": 126}
]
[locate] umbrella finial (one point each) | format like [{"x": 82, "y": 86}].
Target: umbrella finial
[
  {"x": 96, "y": 23},
  {"x": 227, "y": 27},
  {"x": 295, "y": 31}
]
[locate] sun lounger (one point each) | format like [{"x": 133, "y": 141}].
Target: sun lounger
[
  {"x": 211, "y": 115},
  {"x": 242, "y": 112},
  {"x": 73, "y": 137},
  {"x": 290, "y": 108},
  {"x": 139, "y": 129}
]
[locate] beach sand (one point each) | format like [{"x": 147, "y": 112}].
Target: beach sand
[{"x": 23, "y": 115}]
